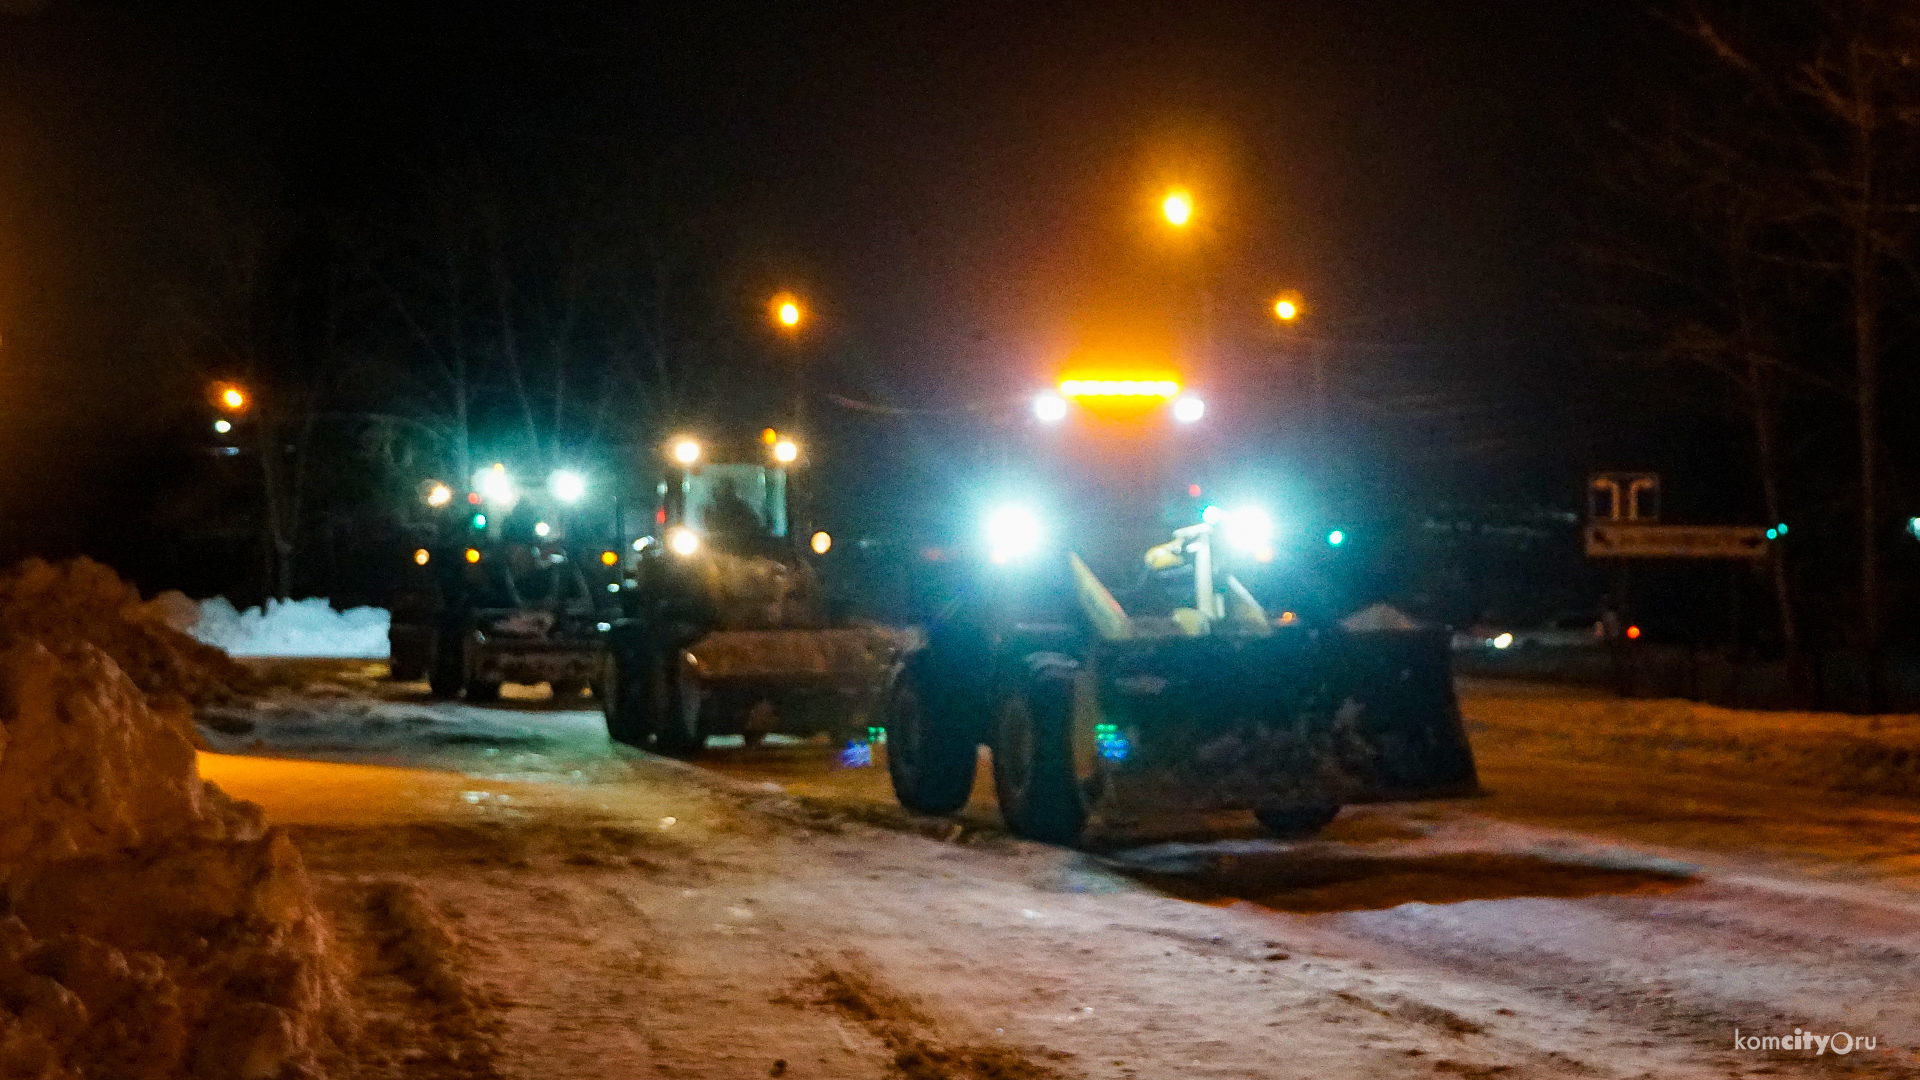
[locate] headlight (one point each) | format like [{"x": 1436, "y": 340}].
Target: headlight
[
  {"x": 496, "y": 486},
  {"x": 1189, "y": 410},
  {"x": 1050, "y": 408},
  {"x": 1013, "y": 532},
  {"x": 567, "y": 486},
  {"x": 1248, "y": 529},
  {"x": 682, "y": 540}
]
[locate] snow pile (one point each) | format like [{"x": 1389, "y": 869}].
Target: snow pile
[
  {"x": 1836, "y": 751},
  {"x": 293, "y": 628},
  {"x": 154, "y": 928},
  {"x": 62, "y": 605}
]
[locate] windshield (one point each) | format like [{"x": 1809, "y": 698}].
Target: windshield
[{"x": 727, "y": 499}]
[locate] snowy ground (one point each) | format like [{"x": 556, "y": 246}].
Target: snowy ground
[{"x": 605, "y": 913}]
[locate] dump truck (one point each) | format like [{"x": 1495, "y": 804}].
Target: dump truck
[
  {"x": 1098, "y": 634},
  {"x": 506, "y": 586},
  {"x": 722, "y": 628}
]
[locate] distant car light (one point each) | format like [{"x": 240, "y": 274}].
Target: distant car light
[
  {"x": 609, "y": 558},
  {"x": 473, "y": 555},
  {"x": 1189, "y": 409},
  {"x": 542, "y": 530},
  {"x": 567, "y": 486},
  {"x": 1050, "y": 408},
  {"x": 1336, "y": 538},
  {"x": 439, "y": 495},
  {"x": 686, "y": 451},
  {"x": 682, "y": 540},
  {"x": 222, "y": 426},
  {"x": 821, "y": 543},
  {"x": 786, "y": 451},
  {"x": 421, "y": 556},
  {"x": 1013, "y": 532},
  {"x": 1633, "y": 633},
  {"x": 1502, "y": 641}
]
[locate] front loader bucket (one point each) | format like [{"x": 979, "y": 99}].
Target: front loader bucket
[
  {"x": 1396, "y": 688},
  {"x": 1244, "y": 721}
]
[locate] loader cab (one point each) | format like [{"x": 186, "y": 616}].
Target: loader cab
[{"x": 731, "y": 495}]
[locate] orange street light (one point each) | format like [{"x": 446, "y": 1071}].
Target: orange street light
[
  {"x": 787, "y": 312},
  {"x": 230, "y": 397},
  {"x": 1287, "y": 306},
  {"x": 1177, "y": 207}
]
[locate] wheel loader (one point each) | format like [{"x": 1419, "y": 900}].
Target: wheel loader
[
  {"x": 722, "y": 628},
  {"x": 1098, "y": 634}
]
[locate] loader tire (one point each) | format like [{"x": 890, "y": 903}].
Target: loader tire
[
  {"x": 483, "y": 691},
  {"x": 931, "y": 762},
  {"x": 448, "y": 676},
  {"x": 675, "y": 697},
  {"x": 1034, "y": 773},
  {"x": 623, "y": 700},
  {"x": 1297, "y": 822}
]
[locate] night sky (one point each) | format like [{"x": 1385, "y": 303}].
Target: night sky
[{"x": 964, "y": 192}]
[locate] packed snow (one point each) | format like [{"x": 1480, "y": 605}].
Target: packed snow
[{"x": 309, "y": 627}]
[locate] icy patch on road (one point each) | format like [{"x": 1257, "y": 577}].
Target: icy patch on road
[
  {"x": 307, "y": 628},
  {"x": 534, "y": 744}
]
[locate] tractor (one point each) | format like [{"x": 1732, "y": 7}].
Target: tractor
[
  {"x": 1099, "y": 635},
  {"x": 722, "y": 629}
]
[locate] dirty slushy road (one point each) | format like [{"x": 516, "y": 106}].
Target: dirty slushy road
[{"x": 604, "y": 913}]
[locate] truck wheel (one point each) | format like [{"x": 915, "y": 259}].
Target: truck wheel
[
  {"x": 931, "y": 763},
  {"x": 449, "y": 672},
  {"x": 567, "y": 688},
  {"x": 675, "y": 694},
  {"x": 409, "y": 652},
  {"x": 483, "y": 690},
  {"x": 623, "y": 700},
  {"x": 1299, "y": 821},
  {"x": 1035, "y": 775}
]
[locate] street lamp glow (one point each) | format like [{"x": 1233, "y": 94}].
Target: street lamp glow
[
  {"x": 1285, "y": 310},
  {"x": 1050, "y": 408},
  {"x": 542, "y": 530},
  {"x": 567, "y": 486},
  {"x": 1177, "y": 207},
  {"x": 786, "y": 451},
  {"x": 439, "y": 495},
  {"x": 787, "y": 312},
  {"x": 683, "y": 541},
  {"x": 686, "y": 451},
  {"x": 821, "y": 543},
  {"x": 1189, "y": 409}
]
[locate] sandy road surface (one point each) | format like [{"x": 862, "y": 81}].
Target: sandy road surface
[{"x": 529, "y": 902}]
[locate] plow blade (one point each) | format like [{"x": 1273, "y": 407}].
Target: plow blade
[
  {"x": 1396, "y": 689},
  {"x": 1283, "y": 719}
]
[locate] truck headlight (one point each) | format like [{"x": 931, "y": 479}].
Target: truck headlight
[
  {"x": 682, "y": 541},
  {"x": 1013, "y": 532},
  {"x": 1248, "y": 529}
]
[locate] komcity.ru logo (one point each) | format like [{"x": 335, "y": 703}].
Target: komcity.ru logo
[{"x": 1839, "y": 1042}]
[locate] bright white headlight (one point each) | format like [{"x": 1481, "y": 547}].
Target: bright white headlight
[
  {"x": 1013, "y": 532},
  {"x": 1248, "y": 529},
  {"x": 1050, "y": 408},
  {"x": 1189, "y": 409},
  {"x": 682, "y": 540},
  {"x": 567, "y": 486}
]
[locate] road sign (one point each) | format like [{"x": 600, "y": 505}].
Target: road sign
[
  {"x": 1640, "y": 541},
  {"x": 1624, "y": 496}
]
